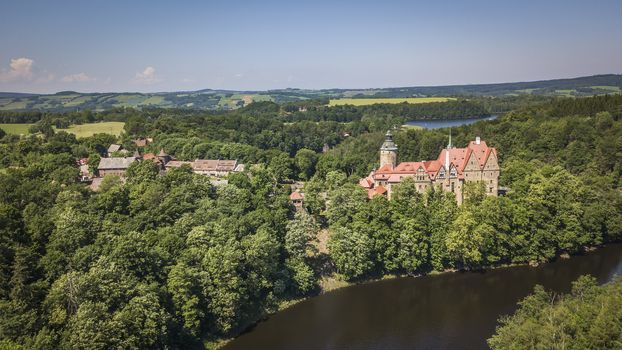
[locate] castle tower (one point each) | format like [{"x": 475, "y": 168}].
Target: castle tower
[{"x": 388, "y": 151}]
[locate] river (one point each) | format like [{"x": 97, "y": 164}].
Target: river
[
  {"x": 447, "y": 311},
  {"x": 445, "y": 123}
]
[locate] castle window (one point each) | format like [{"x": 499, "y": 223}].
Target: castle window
[
  {"x": 452, "y": 172},
  {"x": 490, "y": 190},
  {"x": 441, "y": 174},
  {"x": 491, "y": 181}
]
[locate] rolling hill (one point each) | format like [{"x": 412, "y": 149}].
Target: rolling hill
[{"x": 208, "y": 99}]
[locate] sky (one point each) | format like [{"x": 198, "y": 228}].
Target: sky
[{"x": 147, "y": 46}]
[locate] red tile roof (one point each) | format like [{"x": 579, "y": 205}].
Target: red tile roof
[
  {"x": 296, "y": 196},
  {"x": 457, "y": 157},
  {"x": 385, "y": 169}
]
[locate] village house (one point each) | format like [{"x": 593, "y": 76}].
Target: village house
[
  {"x": 115, "y": 148},
  {"x": 209, "y": 167},
  {"x": 450, "y": 171},
  {"x": 115, "y": 166},
  {"x": 142, "y": 141},
  {"x": 297, "y": 199},
  {"x": 160, "y": 160}
]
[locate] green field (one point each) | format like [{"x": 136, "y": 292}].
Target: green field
[
  {"x": 231, "y": 102},
  {"x": 84, "y": 130},
  {"x": 371, "y": 101},
  {"x": 607, "y": 87},
  {"x": 16, "y": 129}
]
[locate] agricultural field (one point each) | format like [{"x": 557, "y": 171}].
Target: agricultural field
[
  {"x": 84, "y": 130},
  {"x": 240, "y": 100},
  {"x": 15, "y": 129},
  {"x": 608, "y": 88},
  {"x": 371, "y": 101}
]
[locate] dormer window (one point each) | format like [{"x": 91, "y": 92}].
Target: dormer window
[
  {"x": 441, "y": 173},
  {"x": 452, "y": 172}
]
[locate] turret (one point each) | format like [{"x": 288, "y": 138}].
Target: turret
[
  {"x": 163, "y": 157},
  {"x": 388, "y": 151}
]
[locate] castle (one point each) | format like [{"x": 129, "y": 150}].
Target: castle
[{"x": 450, "y": 171}]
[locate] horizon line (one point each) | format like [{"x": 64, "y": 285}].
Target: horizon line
[{"x": 309, "y": 89}]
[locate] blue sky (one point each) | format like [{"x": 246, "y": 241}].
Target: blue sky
[{"x": 97, "y": 45}]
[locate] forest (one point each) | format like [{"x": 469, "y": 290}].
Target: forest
[
  {"x": 586, "y": 318},
  {"x": 171, "y": 261}
]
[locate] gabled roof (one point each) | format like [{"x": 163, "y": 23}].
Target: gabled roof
[
  {"x": 456, "y": 157},
  {"x": 366, "y": 182},
  {"x": 177, "y": 163},
  {"x": 115, "y": 163},
  {"x": 296, "y": 196},
  {"x": 380, "y": 190},
  {"x": 214, "y": 165},
  {"x": 409, "y": 167},
  {"x": 385, "y": 169},
  {"x": 114, "y": 148}
]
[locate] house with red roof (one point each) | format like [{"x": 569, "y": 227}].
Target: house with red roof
[
  {"x": 297, "y": 199},
  {"x": 450, "y": 171}
]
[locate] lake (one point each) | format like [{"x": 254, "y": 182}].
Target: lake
[
  {"x": 446, "y": 311},
  {"x": 445, "y": 123}
]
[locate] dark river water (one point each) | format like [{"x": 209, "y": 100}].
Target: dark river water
[
  {"x": 447, "y": 311},
  {"x": 445, "y": 123}
]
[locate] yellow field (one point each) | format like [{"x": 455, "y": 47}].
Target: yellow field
[
  {"x": 371, "y": 101},
  {"x": 84, "y": 130}
]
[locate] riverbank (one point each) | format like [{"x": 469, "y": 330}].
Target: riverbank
[
  {"x": 333, "y": 283},
  {"x": 426, "y": 312}
]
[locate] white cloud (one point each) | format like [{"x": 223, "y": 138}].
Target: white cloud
[
  {"x": 77, "y": 78},
  {"x": 239, "y": 75},
  {"x": 20, "y": 69},
  {"x": 147, "y": 77}
]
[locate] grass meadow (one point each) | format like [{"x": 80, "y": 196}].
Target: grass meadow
[
  {"x": 84, "y": 130},
  {"x": 15, "y": 129}
]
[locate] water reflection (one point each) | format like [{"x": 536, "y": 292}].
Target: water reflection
[
  {"x": 445, "y": 123},
  {"x": 450, "y": 311}
]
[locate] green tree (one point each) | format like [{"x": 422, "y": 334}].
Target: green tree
[
  {"x": 351, "y": 251},
  {"x": 305, "y": 163},
  {"x": 282, "y": 167}
]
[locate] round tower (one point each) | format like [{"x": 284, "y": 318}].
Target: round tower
[{"x": 388, "y": 151}]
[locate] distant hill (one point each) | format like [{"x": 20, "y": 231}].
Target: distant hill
[{"x": 208, "y": 99}]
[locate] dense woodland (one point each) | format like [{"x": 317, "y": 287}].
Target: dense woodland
[
  {"x": 170, "y": 261},
  {"x": 587, "y": 318}
]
